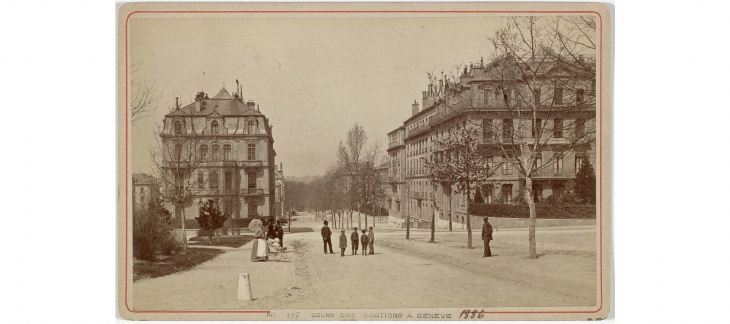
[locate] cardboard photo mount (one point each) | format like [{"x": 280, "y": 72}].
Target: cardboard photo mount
[{"x": 212, "y": 11}]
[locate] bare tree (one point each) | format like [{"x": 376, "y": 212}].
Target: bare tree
[
  {"x": 176, "y": 159},
  {"x": 145, "y": 95},
  {"x": 459, "y": 159},
  {"x": 350, "y": 159}
]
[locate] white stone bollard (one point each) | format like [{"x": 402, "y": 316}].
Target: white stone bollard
[{"x": 244, "y": 287}]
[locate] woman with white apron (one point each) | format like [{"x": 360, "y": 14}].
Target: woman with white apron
[{"x": 260, "y": 250}]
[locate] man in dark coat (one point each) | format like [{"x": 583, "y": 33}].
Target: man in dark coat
[
  {"x": 354, "y": 239},
  {"x": 487, "y": 236},
  {"x": 279, "y": 232},
  {"x": 327, "y": 237},
  {"x": 271, "y": 232}
]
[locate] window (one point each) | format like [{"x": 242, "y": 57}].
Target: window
[
  {"x": 226, "y": 152},
  {"x": 180, "y": 181},
  {"x": 557, "y": 164},
  {"x": 487, "y": 132},
  {"x": 178, "y": 152},
  {"x": 215, "y": 152},
  {"x": 579, "y": 96},
  {"x": 490, "y": 166},
  {"x": 507, "y": 167},
  {"x": 538, "y": 97},
  {"x": 214, "y": 127},
  {"x": 558, "y": 128},
  {"x": 488, "y": 194},
  {"x": 213, "y": 177},
  {"x": 537, "y": 161},
  {"x": 228, "y": 180},
  {"x": 579, "y": 128},
  {"x": 507, "y": 129},
  {"x": 178, "y": 128},
  {"x": 203, "y": 152},
  {"x": 558, "y": 97},
  {"x": 250, "y": 126},
  {"x": 251, "y": 151},
  {"x": 253, "y": 209},
  {"x": 507, "y": 193},
  {"x": 578, "y": 163},
  {"x": 251, "y": 179},
  {"x": 536, "y": 127},
  {"x": 201, "y": 182}
]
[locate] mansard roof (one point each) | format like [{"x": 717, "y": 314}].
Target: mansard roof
[{"x": 223, "y": 103}]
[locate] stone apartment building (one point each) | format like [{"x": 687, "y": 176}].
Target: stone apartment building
[
  {"x": 482, "y": 98},
  {"x": 220, "y": 148},
  {"x": 145, "y": 188}
]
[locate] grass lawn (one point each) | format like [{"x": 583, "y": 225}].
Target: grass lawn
[
  {"x": 234, "y": 241},
  {"x": 166, "y": 265}
]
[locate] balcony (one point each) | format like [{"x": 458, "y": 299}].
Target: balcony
[
  {"x": 395, "y": 144},
  {"x": 251, "y": 164},
  {"x": 249, "y": 192},
  {"x": 418, "y": 130},
  {"x": 551, "y": 172},
  {"x": 418, "y": 194}
]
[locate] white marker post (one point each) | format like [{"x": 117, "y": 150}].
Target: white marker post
[{"x": 244, "y": 287}]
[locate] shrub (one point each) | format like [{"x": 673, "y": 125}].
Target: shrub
[
  {"x": 150, "y": 231},
  {"x": 544, "y": 211}
]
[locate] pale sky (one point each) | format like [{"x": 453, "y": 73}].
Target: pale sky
[{"x": 313, "y": 77}]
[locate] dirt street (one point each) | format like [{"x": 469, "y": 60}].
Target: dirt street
[{"x": 400, "y": 274}]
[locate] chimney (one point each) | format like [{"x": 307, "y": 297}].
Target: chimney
[
  {"x": 177, "y": 103},
  {"x": 281, "y": 166},
  {"x": 251, "y": 104},
  {"x": 414, "y": 107}
]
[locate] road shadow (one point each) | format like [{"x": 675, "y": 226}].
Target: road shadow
[{"x": 301, "y": 230}]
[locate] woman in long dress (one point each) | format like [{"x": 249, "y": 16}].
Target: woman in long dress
[{"x": 260, "y": 251}]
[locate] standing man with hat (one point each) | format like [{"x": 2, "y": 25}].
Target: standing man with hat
[
  {"x": 487, "y": 236},
  {"x": 327, "y": 237}
]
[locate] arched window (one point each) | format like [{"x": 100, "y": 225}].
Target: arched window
[
  {"x": 250, "y": 126},
  {"x": 251, "y": 151},
  {"x": 214, "y": 127},
  {"x": 226, "y": 152},
  {"x": 215, "y": 152},
  {"x": 178, "y": 128},
  {"x": 203, "y": 152}
]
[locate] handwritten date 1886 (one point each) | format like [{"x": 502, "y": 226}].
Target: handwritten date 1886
[{"x": 471, "y": 314}]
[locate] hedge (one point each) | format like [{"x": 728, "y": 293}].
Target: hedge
[
  {"x": 230, "y": 223},
  {"x": 543, "y": 211}
]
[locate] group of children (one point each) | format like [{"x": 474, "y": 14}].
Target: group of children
[{"x": 366, "y": 239}]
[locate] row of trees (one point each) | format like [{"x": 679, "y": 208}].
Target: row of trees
[{"x": 353, "y": 184}]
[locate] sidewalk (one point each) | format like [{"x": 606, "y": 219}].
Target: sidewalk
[{"x": 214, "y": 284}]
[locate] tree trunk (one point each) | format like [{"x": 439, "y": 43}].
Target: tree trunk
[
  {"x": 468, "y": 218},
  {"x": 408, "y": 227},
  {"x": 450, "y": 209},
  {"x": 533, "y": 217},
  {"x": 184, "y": 236},
  {"x": 290, "y": 221},
  {"x": 359, "y": 220},
  {"x": 433, "y": 218}
]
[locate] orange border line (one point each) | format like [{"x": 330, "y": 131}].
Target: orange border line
[{"x": 126, "y": 142}]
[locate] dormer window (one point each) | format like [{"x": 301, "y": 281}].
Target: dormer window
[
  {"x": 214, "y": 127},
  {"x": 250, "y": 126},
  {"x": 178, "y": 128}
]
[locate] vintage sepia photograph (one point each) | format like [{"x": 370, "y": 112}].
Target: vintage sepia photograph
[{"x": 433, "y": 161}]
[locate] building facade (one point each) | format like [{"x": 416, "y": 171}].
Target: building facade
[
  {"x": 507, "y": 113},
  {"x": 145, "y": 188},
  {"x": 219, "y": 148}
]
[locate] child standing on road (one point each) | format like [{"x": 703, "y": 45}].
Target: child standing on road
[
  {"x": 354, "y": 240},
  {"x": 343, "y": 242},
  {"x": 364, "y": 241}
]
